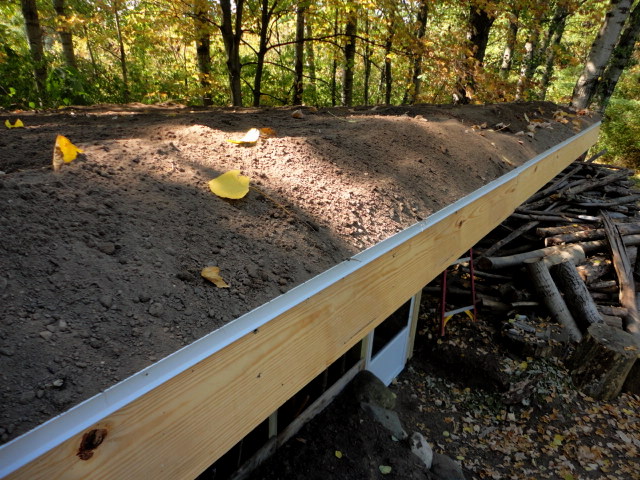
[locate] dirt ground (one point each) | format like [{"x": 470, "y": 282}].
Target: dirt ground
[
  {"x": 100, "y": 263},
  {"x": 555, "y": 432}
]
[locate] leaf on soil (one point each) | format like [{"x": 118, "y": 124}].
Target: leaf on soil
[
  {"x": 64, "y": 152},
  {"x": 250, "y": 138},
  {"x": 338, "y": 454},
  {"x": 213, "y": 275},
  {"x": 298, "y": 114},
  {"x": 18, "y": 124},
  {"x": 385, "y": 469},
  {"x": 230, "y": 185},
  {"x": 267, "y": 132}
]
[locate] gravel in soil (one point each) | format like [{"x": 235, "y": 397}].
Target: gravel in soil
[{"x": 100, "y": 263}]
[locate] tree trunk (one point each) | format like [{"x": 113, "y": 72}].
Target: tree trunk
[
  {"x": 423, "y": 14},
  {"x": 232, "y": 37},
  {"x": 367, "y": 62},
  {"x": 34, "y": 34},
  {"x": 546, "y": 288},
  {"x": 388, "y": 75},
  {"x": 203, "y": 49},
  {"x": 603, "y": 360},
  {"x": 528, "y": 66},
  {"x": 349, "y": 58},
  {"x": 66, "y": 39},
  {"x": 265, "y": 19},
  {"x": 334, "y": 66},
  {"x": 123, "y": 55},
  {"x": 512, "y": 35},
  {"x": 601, "y": 51},
  {"x": 298, "y": 86},
  {"x": 479, "y": 26},
  {"x": 554, "y": 37},
  {"x": 576, "y": 295},
  {"x": 619, "y": 60},
  {"x": 311, "y": 66}
]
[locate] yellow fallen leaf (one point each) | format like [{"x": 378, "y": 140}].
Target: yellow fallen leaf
[
  {"x": 230, "y": 185},
  {"x": 213, "y": 275},
  {"x": 64, "y": 152},
  {"x": 249, "y": 138},
  {"x": 384, "y": 469},
  {"x": 18, "y": 123},
  {"x": 338, "y": 454}
]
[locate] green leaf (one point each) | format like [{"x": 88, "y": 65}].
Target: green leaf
[{"x": 385, "y": 469}]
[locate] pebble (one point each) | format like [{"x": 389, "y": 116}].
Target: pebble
[
  {"x": 27, "y": 396},
  {"x": 7, "y": 351},
  {"x": 52, "y": 328},
  {"x": 46, "y": 334},
  {"x": 106, "y": 301},
  {"x": 156, "y": 309},
  {"x": 40, "y": 393},
  {"x": 63, "y": 325},
  {"x": 108, "y": 248}
]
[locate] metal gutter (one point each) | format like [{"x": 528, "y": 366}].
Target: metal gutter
[{"x": 52, "y": 433}]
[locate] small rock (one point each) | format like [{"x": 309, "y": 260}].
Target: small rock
[
  {"x": 144, "y": 298},
  {"x": 7, "y": 351},
  {"x": 52, "y": 328},
  {"x": 156, "y": 309},
  {"x": 46, "y": 334},
  {"x": 58, "y": 383},
  {"x": 107, "y": 248},
  {"x": 27, "y": 397},
  {"x": 185, "y": 276},
  {"x": 95, "y": 343},
  {"x": 40, "y": 393},
  {"x": 444, "y": 468},
  {"x": 387, "y": 418},
  {"x": 421, "y": 449},
  {"x": 63, "y": 325},
  {"x": 106, "y": 301}
]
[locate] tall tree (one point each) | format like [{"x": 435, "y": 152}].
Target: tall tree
[
  {"x": 423, "y": 14},
  {"x": 552, "y": 43},
  {"x": 311, "y": 65},
  {"x": 482, "y": 14},
  {"x": 202, "y": 20},
  {"x": 298, "y": 84},
  {"x": 350, "y": 32},
  {"x": 232, "y": 37},
  {"x": 387, "y": 73},
  {"x": 619, "y": 60},
  {"x": 66, "y": 38},
  {"x": 510, "y": 45},
  {"x": 600, "y": 52},
  {"x": 34, "y": 35},
  {"x": 123, "y": 55},
  {"x": 266, "y": 14}
]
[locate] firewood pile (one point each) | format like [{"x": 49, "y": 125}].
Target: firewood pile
[{"x": 559, "y": 274}]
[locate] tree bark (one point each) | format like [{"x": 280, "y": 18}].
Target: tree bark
[
  {"x": 367, "y": 62},
  {"x": 349, "y": 57},
  {"x": 266, "y": 12},
  {"x": 554, "y": 37},
  {"x": 423, "y": 14},
  {"x": 619, "y": 60},
  {"x": 311, "y": 65},
  {"x": 203, "y": 48},
  {"x": 576, "y": 295},
  {"x": 34, "y": 35},
  {"x": 66, "y": 38},
  {"x": 600, "y": 53},
  {"x": 388, "y": 75},
  {"x": 624, "y": 271},
  {"x": 528, "y": 65},
  {"x": 479, "y": 26},
  {"x": 547, "y": 289},
  {"x": 298, "y": 86},
  {"x": 232, "y": 36},
  {"x": 603, "y": 360},
  {"x": 512, "y": 35},
  {"x": 123, "y": 55}
]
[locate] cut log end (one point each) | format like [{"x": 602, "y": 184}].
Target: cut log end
[{"x": 603, "y": 360}]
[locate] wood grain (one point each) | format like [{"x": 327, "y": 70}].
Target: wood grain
[{"x": 178, "y": 429}]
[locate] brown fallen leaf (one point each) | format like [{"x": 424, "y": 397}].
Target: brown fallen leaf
[
  {"x": 297, "y": 114},
  {"x": 213, "y": 275}
]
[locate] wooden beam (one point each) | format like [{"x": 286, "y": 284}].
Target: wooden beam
[{"x": 184, "y": 424}]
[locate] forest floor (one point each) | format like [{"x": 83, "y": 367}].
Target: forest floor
[
  {"x": 100, "y": 263},
  {"x": 449, "y": 394}
]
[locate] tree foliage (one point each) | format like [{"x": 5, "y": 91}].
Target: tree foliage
[{"x": 274, "y": 52}]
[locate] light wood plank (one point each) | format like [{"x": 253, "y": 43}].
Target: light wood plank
[{"x": 181, "y": 427}]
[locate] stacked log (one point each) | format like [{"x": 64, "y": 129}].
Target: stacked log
[{"x": 572, "y": 249}]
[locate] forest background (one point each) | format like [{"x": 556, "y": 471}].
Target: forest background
[{"x": 56, "y": 53}]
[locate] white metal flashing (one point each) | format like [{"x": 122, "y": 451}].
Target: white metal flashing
[{"x": 43, "y": 438}]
